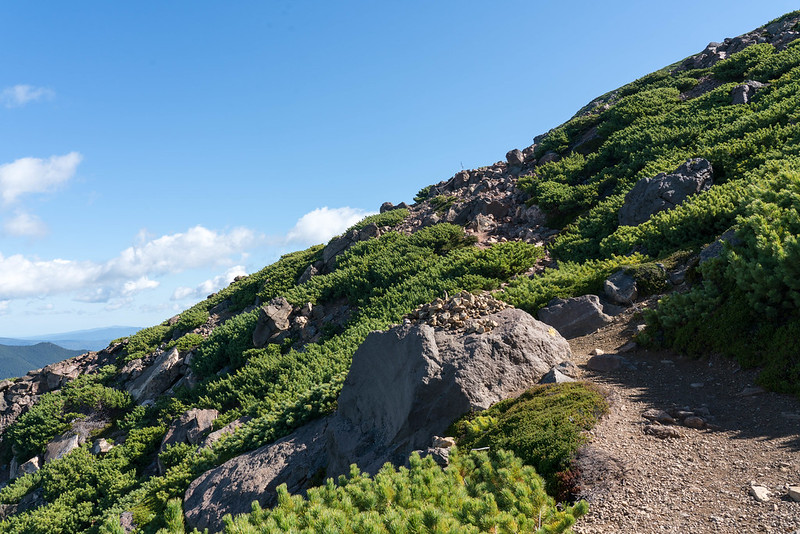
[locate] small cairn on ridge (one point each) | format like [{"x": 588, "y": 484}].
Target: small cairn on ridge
[{"x": 459, "y": 311}]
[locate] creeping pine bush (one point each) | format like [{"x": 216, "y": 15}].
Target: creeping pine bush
[
  {"x": 476, "y": 493},
  {"x": 544, "y": 427}
]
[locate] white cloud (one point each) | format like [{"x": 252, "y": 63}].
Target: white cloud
[
  {"x": 36, "y": 175},
  {"x": 320, "y": 225},
  {"x": 125, "y": 275},
  {"x": 3, "y": 307},
  {"x": 24, "y": 225},
  {"x": 209, "y": 286},
  {"x": 19, "y": 95}
]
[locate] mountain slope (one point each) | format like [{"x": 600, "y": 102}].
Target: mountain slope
[{"x": 271, "y": 352}]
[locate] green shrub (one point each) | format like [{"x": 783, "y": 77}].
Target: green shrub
[
  {"x": 442, "y": 203},
  {"x": 191, "y": 319},
  {"x": 476, "y": 493},
  {"x": 544, "y": 427},
  {"x": 387, "y": 218},
  {"x": 733, "y": 68}
]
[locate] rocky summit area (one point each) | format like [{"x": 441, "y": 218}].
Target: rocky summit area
[{"x": 595, "y": 334}]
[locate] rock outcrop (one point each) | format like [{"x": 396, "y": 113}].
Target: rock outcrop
[
  {"x": 576, "y": 316},
  {"x": 156, "y": 378},
  {"x": 665, "y": 191},
  {"x": 405, "y": 385}
]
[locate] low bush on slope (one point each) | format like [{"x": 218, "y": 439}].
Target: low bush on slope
[
  {"x": 544, "y": 427},
  {"x": 477, "y": 492}
]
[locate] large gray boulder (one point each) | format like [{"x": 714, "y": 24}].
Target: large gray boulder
[
  {"x": 254, "y": 476},
  {"x": 621, "y": 288},
  {"x": 405, "y": 385},
  {"x": 576, "y": 316},
  {"x": 157, "y": 378},
  {"x": 665, "y": 191}
]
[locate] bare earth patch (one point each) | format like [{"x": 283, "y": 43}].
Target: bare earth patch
[{"x": 700, "y": 481}]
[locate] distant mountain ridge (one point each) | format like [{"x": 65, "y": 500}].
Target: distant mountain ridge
[
  {"x": 18, "y": 360},
  {"x": 80, "y": 340}
]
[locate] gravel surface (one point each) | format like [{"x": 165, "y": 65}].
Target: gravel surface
[{"x": 699, "y": 481}]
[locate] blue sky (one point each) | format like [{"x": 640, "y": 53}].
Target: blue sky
[{"x": 153, "y": 150}]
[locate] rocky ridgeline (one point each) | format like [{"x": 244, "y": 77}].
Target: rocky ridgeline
[
  {"x": 460, "y": 311},
  {"x": 779, "y": 34}
]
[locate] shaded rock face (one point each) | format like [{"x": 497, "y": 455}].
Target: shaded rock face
[
  {"x": 665, "y": 191},
  {"x": 741, "y": 94},
  {"x": 157, "y": 378},
  {"x": 272, "y": 319},
  {"x": 621, "y": 288},
  {"x": 231, "y": 488},
  {"x": 575, "y": 317},
  {"x": 405, "y": 385},
  {"x": 190, "y": 428}
]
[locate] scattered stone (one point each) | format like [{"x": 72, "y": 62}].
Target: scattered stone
[
  {"x": 751, "y": 391},
  {"x": 568, "y": 368},
  {"x": 794, "y": 493},
  {"x": 464, "y": 310},
  {"x": 663, "y": 432},
  {"x": 694, "y": 422},
  {"x": 597, "y": 352},
  {"x": 696, "y": 385},
  {"x": 576, "y": 316},
  {"x": 101, "y": 446},
  {"x": 621, "y": 288},
  {"x": 659, "y": 416},
  {"x": 554, "y": 376},
  {"x": 443, "y": 443},
  {"x": 29, "y": 467},
  {"x": 627, "y": 347},
  {"x": 760, "y": 493},
  {"x": 126, "y": 522},
  {"x": 665, "y": 191}
]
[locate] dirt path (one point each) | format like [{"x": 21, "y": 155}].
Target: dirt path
[{"x": 698, "y": 482}]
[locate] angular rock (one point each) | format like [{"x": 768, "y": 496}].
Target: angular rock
[
  {"x": 254, "y": 476},
  {"x": 663, "y": 432},
  {"x": 548, "y": 158},
  {"x": 61, "y": 446},
  {"x": 29, "y": 467},
  {"x": 621, "y": 288},
  {"x": 157, "y": 378},
  {"x": 694, "y": 422},
  {"x": 576, "y": 316},
  {"x": 515, "y": 158},
  {"x": 659, "y": 416},
  {"x": 440, "y": 455},
  {"x": 272, "y": 320},
  {"x": 568, "y": 368},
  {"x": 311, "y": 271},
  {"x": 101, "y": 446},
  {"x": 794, "y": 493},
  {"x": 760, "y": 493},
  {"x": 714, "y": 250},
  {"x": 741, "y": 94},
  {"x": 228, "y": 429},
  {"x": 443, "y": 443},
  {"x": 190, "y": 427},
  {"x": 665, "y": 191},
  {"x": 386, "y": 206},
  {"x": 554, "y": 376}
]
